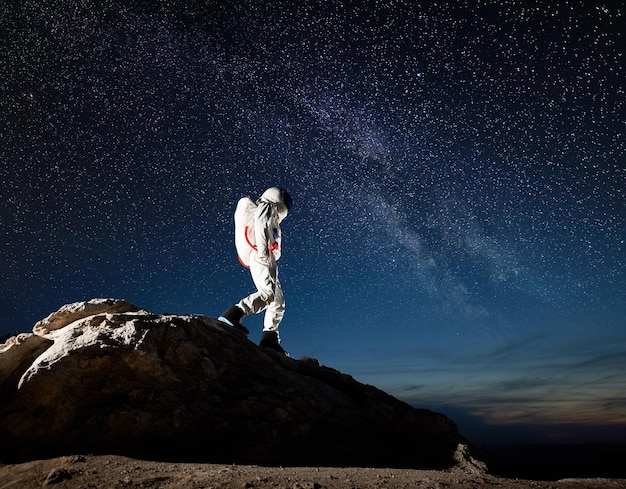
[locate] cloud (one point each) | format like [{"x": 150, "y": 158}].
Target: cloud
[
  {"x": 522, "y": 382},
  {"x": 604, "y": 361}
]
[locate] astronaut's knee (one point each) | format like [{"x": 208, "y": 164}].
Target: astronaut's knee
[{"x": 267, "y": 296}]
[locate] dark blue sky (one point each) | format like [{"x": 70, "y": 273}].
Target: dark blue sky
[{"x": 457, "y": 235}]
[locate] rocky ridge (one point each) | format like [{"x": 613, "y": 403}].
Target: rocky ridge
[{"x": 105, "y": 376}]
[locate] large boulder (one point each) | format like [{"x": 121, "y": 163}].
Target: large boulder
[
  {"x": 105, "y": 376},
  {"x": 16, "y": 356}
]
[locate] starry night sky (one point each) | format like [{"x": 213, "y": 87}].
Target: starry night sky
[{"x": 457, "y": 169}]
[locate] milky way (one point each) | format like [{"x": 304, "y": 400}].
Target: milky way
[{"x": 457, "y": 168}]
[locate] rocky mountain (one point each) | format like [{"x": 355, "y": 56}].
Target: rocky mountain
[{"x": 105, "y": 376}]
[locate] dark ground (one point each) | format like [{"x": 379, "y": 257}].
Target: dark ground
[
  {"x": 554, "y": 462},
  {"x": 115, "y": 472}
]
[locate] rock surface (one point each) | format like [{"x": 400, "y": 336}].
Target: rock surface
[{"x": 105, "y": 376}]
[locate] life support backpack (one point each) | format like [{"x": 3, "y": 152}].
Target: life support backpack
[{"x": 245, "y": 239}]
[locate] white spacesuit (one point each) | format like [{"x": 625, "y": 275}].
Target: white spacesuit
[{"x": 258, "y": 244}]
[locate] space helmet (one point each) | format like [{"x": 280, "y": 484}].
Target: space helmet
[{"x": 280, "y": 197}]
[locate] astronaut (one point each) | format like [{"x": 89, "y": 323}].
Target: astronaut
[{"x": 258, "y": 244}]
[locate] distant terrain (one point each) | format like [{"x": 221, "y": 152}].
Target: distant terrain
[{"x": 553, "y": 462}]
